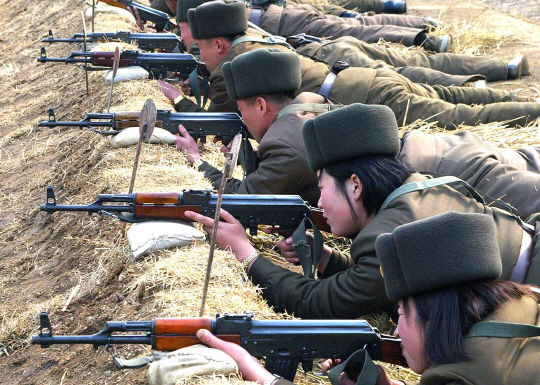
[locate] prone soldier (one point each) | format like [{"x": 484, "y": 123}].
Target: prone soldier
[
  {"x": 366, "y": 191},
  {"x": 222, "y": 38}
]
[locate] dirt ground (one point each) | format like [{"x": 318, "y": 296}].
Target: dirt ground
[{"x": 44, "y": 259}]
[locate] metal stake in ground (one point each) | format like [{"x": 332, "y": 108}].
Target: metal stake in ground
[
  {"x": 84, "y": 50},
  {"x": 93, "y": 13},
  {"x": 147, "y": 122},
  {"x": 230, "y": 164},
  {"x": 116, "y": 63}
]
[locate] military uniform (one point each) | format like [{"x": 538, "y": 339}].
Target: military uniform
[
  {"x": 513, "y": 176},
  {"x": 360, "y": 54},
  {"x": 334, "y": 12},
  {"x": 409, "y": 101},
  {"x": 352, "y": 285},
  {"x": 289, "y": 21},
  {"x": 282, "y": 166}
]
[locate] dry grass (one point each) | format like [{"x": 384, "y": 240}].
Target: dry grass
[{"x": 81, "y": 164}]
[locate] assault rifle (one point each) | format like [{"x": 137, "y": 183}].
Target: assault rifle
[
  {"x": 283, "y": 343},
  {"x": 160, "y": 19},
  {"x": 285, "y": 211},
  {"x": 167, "y": 42},
  {"x": 157, "y": 64},
  {"x": 199, "y": 125}
]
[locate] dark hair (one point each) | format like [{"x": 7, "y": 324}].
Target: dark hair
[
  {"x": 446, "y": 315},
  {"x": 228, "y": 39},
  {"x": 278, "y": 99},
  {"x": 379, "y": 175}
]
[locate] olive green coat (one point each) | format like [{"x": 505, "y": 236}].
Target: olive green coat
[
  {"x": 502, "y": 361},
  {"x": 408, "y": 100},
  {"x": 351, "y": 285},
  {"x": 513, "y": 176},
  {"x": 283, "y": 166},
  {"x": 287, "y": 21},
  {"x": 361, "y": 54}
]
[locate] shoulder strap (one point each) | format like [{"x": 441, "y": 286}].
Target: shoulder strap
[
  {"x": 429, "y": 183},
  {"x": 267, "y": 40},
  {"x": 503, "y": 330},
  {"x": 307, "y": 107}
]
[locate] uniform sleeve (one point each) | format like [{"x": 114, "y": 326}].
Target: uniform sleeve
[
  {"x": 349, "y": 294},
  {"x": 215, "y": 177},
  {"x": 338, "y": 262}
]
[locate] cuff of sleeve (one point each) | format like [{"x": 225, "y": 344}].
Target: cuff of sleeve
[
  {"x": 259, "y": 270},
  {"x": 337, "y": 263},
  {"x": 184, "y": 104}
]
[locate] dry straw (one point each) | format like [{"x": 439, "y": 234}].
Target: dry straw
[{"x": 82, "y": 164}]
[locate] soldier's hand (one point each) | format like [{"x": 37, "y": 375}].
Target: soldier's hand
[
  {"x": 186, "y": 143},
  {"x": 135, "y": 12},
  {"x": 169, "y": 90},
  {"x": 287, "y": 251},
  {"x": 230, "y": 233},
  {"x": 185, "y": 86},
  {"x": 249, "y": 366}
]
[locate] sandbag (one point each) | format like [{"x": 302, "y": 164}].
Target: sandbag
[
  {"x": 126, "y": 73},
  {"x": 146, "y": 237},
  {"x": 130, "y": 137},
  {"x": 184, "y": 363},
  {"x": 105, "y": 8}
]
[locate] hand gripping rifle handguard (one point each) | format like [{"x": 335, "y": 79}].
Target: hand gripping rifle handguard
[{"x": 283, "y": 343}]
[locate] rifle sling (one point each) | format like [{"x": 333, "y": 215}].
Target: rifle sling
[
  {"x": 434, "y": 182},
  {"x": 503, "y": 330},
  {"x": 135, "y": 363},
  {"x": 195, "y": 88},
  {"x": 270, "y": 39},
  {"x": 368, "y": 375},
  {"x": 302, "y": 247}
]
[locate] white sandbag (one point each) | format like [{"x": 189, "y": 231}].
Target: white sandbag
[
  {"x": 187, "y": 362},
  {"x": 106, "y": 8},
  {"x": 126, "y": 73},
  {"x": 130, "y": 137},
  {"x": 146, "y": 237}
]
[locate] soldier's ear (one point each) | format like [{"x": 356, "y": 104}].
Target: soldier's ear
[
  {"x": 355, "y": 187},
  {"x": 262, "y": 106}
]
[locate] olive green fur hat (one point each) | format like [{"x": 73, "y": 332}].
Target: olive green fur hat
[
  {"x": 183, "y": 6},
  {"x": 437, "y": 252},
  {"x": 261, "y": 72},
  {"x": 349, "y": 132},
  {"x": 217, "y": 19}
]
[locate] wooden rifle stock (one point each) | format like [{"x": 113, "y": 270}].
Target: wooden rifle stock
[
  {"x": 106, "y": 59},
  {"x": 115, "y": 3},
  {"x": 319, "y": 220},
  {"x": 391, "y": 352}
]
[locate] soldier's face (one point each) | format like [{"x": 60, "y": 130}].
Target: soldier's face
[
  {"x": 256, "y": 117},
  {"x": 337, "y": 210},
  {"x": 412, "y": 337},
  {"x": 186, "y": 34},
  {"x": 211, "y": 52}
]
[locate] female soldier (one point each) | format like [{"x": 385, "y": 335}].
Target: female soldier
[
  {"x": 443, "y": 307},
  {"x": 361, "y": 181}
]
